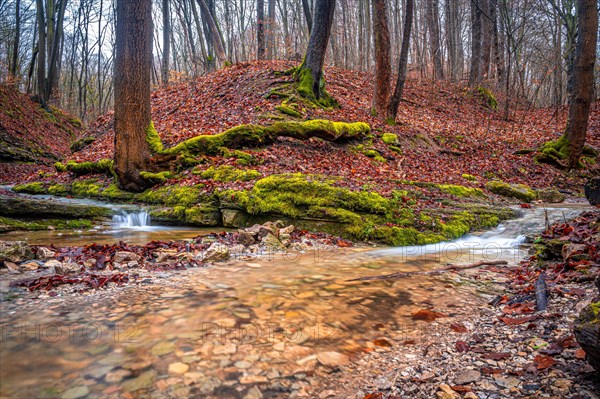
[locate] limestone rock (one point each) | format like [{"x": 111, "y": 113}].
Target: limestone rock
[
  {"x": 467, "y": 377},
  {"x": 15, "y": 251},
  {"x": 125, "y": 256},
  {"x": 333, "y": 359},
  {"x": 216, "y": 253},
  {"x": 272, "y": 243},
  {"x": 44, "y": 253},
  {"x": 550, "y": 195}
]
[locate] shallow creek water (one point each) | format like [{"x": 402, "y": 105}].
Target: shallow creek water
[{"x": 217, "y": 331}]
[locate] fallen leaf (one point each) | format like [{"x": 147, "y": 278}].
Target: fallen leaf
[
  {"x": 426, "y": 315},
  {"x": 496, "y": 355},
  {"x": 543, "y": 362},
  {"x": 462, "y": 346},
  {"x": 458, "y": 327}
]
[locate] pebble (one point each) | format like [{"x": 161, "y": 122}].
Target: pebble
[
  {"x": 178, "y": 368},
  {"x": 333, "y": 359},
  {"x": 467, "y": 377},
  {"x": 76, "y": 393}
]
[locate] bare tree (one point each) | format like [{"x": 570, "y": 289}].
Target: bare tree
[
  {"x": 402, "y": 63},
  {"x": 433, "y": 20},
  {"x": 260, "y": 29},
  {"x": 166, "y": 31}
]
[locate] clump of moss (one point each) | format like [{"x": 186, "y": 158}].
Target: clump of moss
[
  {"x": 469, "y": 177},
  {"x": 460, "y": 191},
  {"x": 389, "y": 138},
  {"x": 306, "y": 85},
  {"x": 227, "y": 173},
  {"x": 82, "y": 143},
  {"x": 44, "y": 224},
  {"x": 369, "y": 152},
  {"x": 287, "y": 110},
  {"x": 396, "y": 149},
  {"x": 31, "y": 188},
  {"x": 156, "y": 178},
  {"x": 60, "y": 190},
  {"x": 172, "y": 195},
  {"x": 86, "y": 188},
  {"x": 103, "y": 166},
  {"x": 488, "y": 97},
  {"x": 242, "y": 157},
  {"x": 200, "y": 215},
  {"x": 518, "y": 191},
  {"x": 153, "y": 139}
]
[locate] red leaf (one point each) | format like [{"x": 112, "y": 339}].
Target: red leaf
[
  {"x": 462, "y": 346},
  {"x": 496, "y": 355},
  {"x": 543, "y": 362},
  {"x": 458, "y": 327},
  {"x": 426, "y": 315}
]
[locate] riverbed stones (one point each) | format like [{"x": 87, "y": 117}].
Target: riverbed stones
[
  {"x": 143, "y": 381},
  {"x": 550, "y": 195},
  {"x": 217, "y": 252},
  {"x": 15, "y": 251},
  {"x": 76, "y": 392},
  {"x": 178, "y": 368},
  {"x": 125, "y": 256},
  {"x": 44, "y": 253},
  {"x": 272, "y": 243},
  {"x": 467, "y": 377},
  {"x": 333, "y": 359},
  {"x": 245, "y": 238},
  {"x": 67, "y": 268}
]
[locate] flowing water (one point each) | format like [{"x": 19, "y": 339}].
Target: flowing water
[{"x": 217, "y": 330}]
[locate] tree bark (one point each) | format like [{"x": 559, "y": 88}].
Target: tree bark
[
  {"x": 164, "y": 71},
  {"x": 15, "y": 54},
  {"x": 475, "y": 70},
  {"x": 317, "y": 44},
  {"x": 271, "y": 30},
  {"x": 260, "y": 29},
  {"x": 433, "y": 20},
  {"x": 402, "y": 63},
  {"x": 215, "y": 34},
  {"x": 52, "y": 65},
  {"x": 41, "y": 59},
  {"x": 133, "y": 63},
  {"x": 383, "y": 72},
  {"x": 583, "y": 79},
  {"x": 307, "y": 14}
]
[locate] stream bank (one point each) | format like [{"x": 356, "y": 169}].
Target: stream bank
[{"x": 281, "y": 325}]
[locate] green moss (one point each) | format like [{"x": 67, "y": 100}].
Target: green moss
[
  {"x": 86, "y": 188},
  {"x": 488, "y": 96},
  {"x": 153, "y": 139},
  {"x": 469, "y": 177},
  {"x": 518, "y": 191},
  {"x": 156, "y": 178},
  {"x": 389, "y": 138},
  {"x": 172, "y": 195},
  {"x": 258, "y": 136},
  {"x": 60, "y": 167},
  {"x": 306, "y": 85},
  {"x": 284, "y": 109},
  {"x": 30, "y": 188},
  {"x": 460, "y": 191},
  {"x": 227, "y": 173},
  {"x": 396, "y": 149},
  {"x": 44, "y": 224},
  {"x": 368, "y": 152},
  {"x": 595, "y": 308},
  {"x": 113, "y": 192},
  {"x": 242, "y": 157},
  {"x": 82, "y": 143},
  {"x": 59, "y": 190},
  {"x": 103, "y": 166}
]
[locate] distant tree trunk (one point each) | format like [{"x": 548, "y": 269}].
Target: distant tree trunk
[
  {"x": 475, "y": 70},
  {"x": 271, "y": 30},
  {"x": 583, "y": 79},
  {"x": 260, "y": 29},
  {"x": 383, "y": 71},
  {"x": 433, "y": 20},
  {"x": 133, "y": 63},
  {"x": 317, "y": 45},
  {"x": 453, "y": 38},
  {"x": 402, "y": 63},
  {"x": 41, "y": 67},
  {"x": 56, "y": 40},
  {"x": 164, "y": 71},
  {"x": 307, "y": 14},
  {"x": 558, "y": 59},
  {"x": 487, "y": 28},
  {"x": 15, "y": 54},
  {"x": 215, "y": 34}
]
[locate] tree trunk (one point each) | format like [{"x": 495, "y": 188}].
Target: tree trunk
[
  {"x": 260, "y": 29},
  {"x": 402, "y": 63},
  {"x": 133, "y": 63},
  {"x": 317, "y": 47},
  {"x": 307, "y": 14},
  {"x": 583, "y": 79},
  {"x": 271, "y": 30},
  {"x": 41, "y": 67},
  {"x": 475, "y": 71},
  {"x": 487, "y": 29},
  {"x": 433, "y": 21},
  {"x": 453, "y": 37},
  {"x": 52, "y": 65},
  {"x": 383, "y": 72},
  {"x": 164, "y": 71},
  {"x": 15, "y": 54},
  {"x": 215, "y": 34}
]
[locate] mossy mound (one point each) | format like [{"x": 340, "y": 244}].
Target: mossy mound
[
  {"x": 557, "y": 152},
  {"x": 227, "y": 173},
  {"x": 488, "y": 97},
  {"x": 10, "y": 224},
  {"x": 389, "y": 138},
  {"x": 103, "y": 166},
  {"x": 521, "y": 192}
]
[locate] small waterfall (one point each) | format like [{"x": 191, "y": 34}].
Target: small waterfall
[{"x": 131, "y": 219}]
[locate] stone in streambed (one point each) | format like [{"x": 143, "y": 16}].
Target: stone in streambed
[
  {"x": 333, "y": 359},
  {"x": 76, "y": 393},
  {"x": 216, "y": 253},
  {"x": 178, "y": 368},
  {"x": 143, "y": 381},
  {"x": 15, "y": 251},
  {"x": 467, "y": 377}
]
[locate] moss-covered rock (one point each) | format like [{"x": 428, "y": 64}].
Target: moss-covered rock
[
  {"x": 172, "y": 195},
  {"x": 156, "y": 178},
  {"x": 389, "y": 138},
  {"x": 30, "y": 188},
  {"x": 32, "y": 208},
  {"x": 103, "y": 166},
  {"x": 227, "y": 173},
  {"x": 10, "y": 224},
  {"x": 550, "y": 195},
  {"x": 521, "y": 192},
  {"x": 200, "y": 215}
]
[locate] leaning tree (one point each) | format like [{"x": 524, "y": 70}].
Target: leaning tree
[{"x": 133, "y": 63}]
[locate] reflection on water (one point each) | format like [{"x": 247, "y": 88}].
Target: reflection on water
[{"x": 213, "y": 332}]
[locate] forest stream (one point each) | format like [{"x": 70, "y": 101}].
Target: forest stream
[{"x": 222, "y": 329}]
